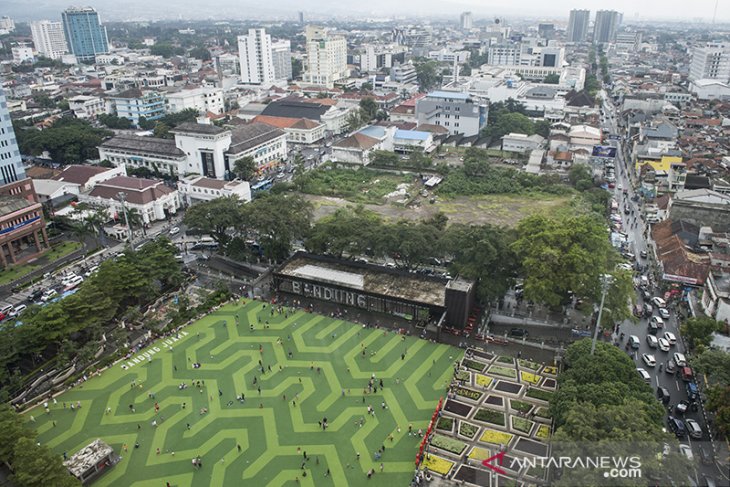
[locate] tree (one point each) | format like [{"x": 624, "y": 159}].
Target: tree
[
  {"x": 69, "y": 141},
  {"x": 580, "y": 175},
  {"x": 38, "y": 466},
  {"x": 14, "y": 429},
  {"x": 201, "y": 53},
  {"x": 245, "y": 168},
  {"x": 561, "y": 254},
  {"x": 215, "y": 217},
  {"x": 354, "y": 121},
  {"x": 542, "y": 128},
  {"x": 350, "y": 231},
  {"x": 296, "y": 68},
  {"x": 715, "y": 364},
  {"x": 509, "y": 123},
  {"x": 174, "y": 119},
  {"x": 699, "y": 330},
  {"x": 718, "y": 401},
  {"x": 166, "y": 50},
  {"x": 552, "y": 79},
  {"x": 145, "y": 124},
  {"x": 162, "y": 130},
  {"x": 114, "y": 122},
  {"x": 428, "y": 75},
  {"x": 277, "y": 220},
  {"x": 368, "y": 109},
  {"x": 383, "y": 158},
  {"x": 409, "y": 244}
]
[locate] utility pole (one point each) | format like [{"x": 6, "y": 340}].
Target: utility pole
[
  {"x": 605, "y": 283},
  {"x": 122, "y": 197}
]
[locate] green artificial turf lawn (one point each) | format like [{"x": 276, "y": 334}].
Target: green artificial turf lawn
[{"x": 272, "y": 432}]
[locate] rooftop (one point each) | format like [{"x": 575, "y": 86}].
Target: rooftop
[
  {"x": 448, "y": 94},
  {"x": 79, "y": 174},
  {"x": 367, "y": 278},
  {"x": 245, "y": 137},
  {"x": 150, "y": 145},
  {"x": 198, "y": 128},
  {"x": 295, "y": 109},
  {"x": 138, "y": 191},
  {"x": 11, "y": 204},
  {"x": 86, "y": 458},
  {"x": 412, "y": 135}
]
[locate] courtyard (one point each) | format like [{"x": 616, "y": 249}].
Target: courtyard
[{"x": 260, "y": 396}]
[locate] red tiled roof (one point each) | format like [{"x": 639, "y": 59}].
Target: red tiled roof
[
  {"x": 79, "y": 174},
  {"x": 138, "y": 191}
]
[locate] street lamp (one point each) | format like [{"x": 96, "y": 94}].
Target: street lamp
[
  {"x": 606, "y": 281},
  {"x": 122, "y": 197}
]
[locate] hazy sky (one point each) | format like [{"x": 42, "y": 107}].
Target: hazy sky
[{"x": 283, "y": 9}]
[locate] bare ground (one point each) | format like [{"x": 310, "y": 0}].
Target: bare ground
[{"x": 503, "y": 210}]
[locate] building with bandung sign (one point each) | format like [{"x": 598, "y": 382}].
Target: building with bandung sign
[
  {"x": 22, "y": 227},
  {"x": 372, "y": 288}
]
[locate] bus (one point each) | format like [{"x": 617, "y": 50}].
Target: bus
[{"x": 263, "y": 185}]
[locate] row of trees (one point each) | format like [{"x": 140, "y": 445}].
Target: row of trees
[
  {"x": 275, "y": 221},
  {"x": 71, "y": 329},
  {"x": 366, "y": 113},
  {"x": 69, "y": 140},
  {"x": 601, "y": 408},
  {"x": 32, "y": 464},
  {"x": 511, "y": 117}
]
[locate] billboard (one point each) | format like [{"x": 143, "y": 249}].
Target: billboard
[{"x": 603, "y": 151}]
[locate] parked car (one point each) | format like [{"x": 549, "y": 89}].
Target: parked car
[
  {"x": 91, "y": 270},
  {"x": 659, "y": 322},
  {"x": 644, "y": 375},
  {"x": 643, "y": 254},
  {"x": 518, "y": 332},
  {"x": 634, "y": 342},
  {"x": 693, "y": 428},
  {"x": 677, "y": 426},
  {"x": 648, "y": 359},
  {"x": 18, "y": 309},
  {"x": 670, "y": 367},
  {"x": 670, "y": 338},
  {"x": 74, "y": 283},
  {"x": 687, "y": 374},
  {"x": 682, "y": 407},
  {"x": 653, "y": 327},
  {"x": 664, "y": 313},
  {"x": 48, "y": 294},
  {"x": 680, "y": 359},
  {"x": 648, "y": 310},
  {"x": 662, "y": 393},
  {"x": 174, "y": 230},
  {"x": 659, "y": 302},
  {"x": 35, "y": 295},
  {"x": 686, "y": 450},
  {"x": 663, "y": 344},
  {"x": 651, "y": 341},
  {"x": 693, "y": 393},
  {"x": 7, "y": 309},
  {"x": 705, "y": 455}
]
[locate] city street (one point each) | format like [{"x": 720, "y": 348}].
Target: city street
[{"x": 634, "y": 226}]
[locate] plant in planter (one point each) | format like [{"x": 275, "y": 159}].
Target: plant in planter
[
  {"x": 503, "y": 371},
  {"x": 550, "y": 370},
  {"x": 468, "y": 393},
  {"x": 521, "y": 406},
  {"x": 490, "y": 416},
  {"x": 464, "y": 375},
  {"x": 530, "y": 377},
  {"x": 479, "y": 454},
  {"x": 483, "y": 380},
  {"x": 467, "y": 429},
  {"x": 445, "y": 423},
  {"x": 539, "y": 394},
  {"x": 521, "y": 424},
  {"x": 543, "y": 432},
  {"x": 449, "y": 444},
  {"x": 496, "y": 437},
  {"x": 505, "y": 360},
  {"x": 543, "y": 413},
  {"x": 437, "y": 464},
  {"x": 472, "y": 364}
]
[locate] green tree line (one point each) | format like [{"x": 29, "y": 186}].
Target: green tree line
[{"x": 69, "y": 140}]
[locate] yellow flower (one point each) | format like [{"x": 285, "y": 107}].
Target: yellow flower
[
  {"x": 436, "y": 464},
  {"x": 543, "y": 432},
  {"x": 530, "y": 377},
  {"x": 483, "y": 380},
  {"x": 496, "y": 437},
  {"x": 478, "y": 453}
]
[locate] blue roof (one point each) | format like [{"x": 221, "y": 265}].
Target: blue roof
[
  {"x": 448, "y": 94},
  {"x": 411, "y": 134},
  {"x": 373, "y": 131}
]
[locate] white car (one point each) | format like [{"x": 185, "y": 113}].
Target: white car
[
  {"x": 658, "y": 321},
  {"x": 680, "y": 359},
  {"x": 686, "y": 450},
  {"x": 663, "y": 344},
  {"x": 664, "y": 313},
  {"x": 73, "y": 283},
  {"x": 644, "y": 375},
  {"x": 648, "y": 359},
  {"x": 18, "y": 309},
  {"x": 91, "y": 270},
  {"x": 693, "y": 428},
  {"x": 669, "y": 336},
  {"x": 48, "y": 294},
  {"x": 174, "y": 230},
  {"x": 651, "y": 341},
  {"x": 659, "y": 302},
  {"x": 65, "y": 280}
]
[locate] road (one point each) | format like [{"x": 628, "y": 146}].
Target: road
[{"x": 634, "y": 226}]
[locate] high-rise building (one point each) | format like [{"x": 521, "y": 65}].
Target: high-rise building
[
  {"x": 7, "y": 25},
  {"x": 281, "y": 58},
  {"x": 710, "y": 61},
  {"x": 467, "y": 21},
  {"x": 301, "y": 18},
  {"x": 605, "y": 26},
  {"x": 326, "y": 57},
  {"x": 11, "y": 167},
  {"x": 254, "y": 51},
  {"x": 578, "y": 25},
  {"x": 48, "y": 38},
  {"x": 85, "y": 35},
  {"x": 546, "y": 31}
]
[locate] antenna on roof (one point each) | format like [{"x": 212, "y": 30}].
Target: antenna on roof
[{"x": 714, "y": 14}]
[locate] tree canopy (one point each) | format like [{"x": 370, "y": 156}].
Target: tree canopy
[
  {"x": 699, "y": 330},
  {"x": 245, "y": 168},
  {"x": 368, "y": 109},
  {"x": 69, "y": 140}
]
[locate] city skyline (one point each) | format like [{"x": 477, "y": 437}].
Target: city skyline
[{"x": 288, "y": 9}]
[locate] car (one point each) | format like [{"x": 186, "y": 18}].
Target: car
[
  {"x": 677, "y": 426},
  {"x": 73, "y": 283},
  {"x": 686, "y": 450},
  {"x": 18, "y": 309},
  {"x": 680, "y": 359},
  {"x": 7, "y": 309},
  {"x": 662, "y": 393},
  {"x": 634, "y": 342},
  {"x": 174, "y": 230},
  {"x": 693, "y": 392},
  {"x": 708, "y": 480},
  {"x": 648, "y": 359},
  {"x": 651, "y": 341},
  {"x": 687, "y": 374},
  {"x": 663, "y": 344},
  {"x": 669, "y": 336},
  {"x": 48, "y": 294},
  {"x": 619, "y": 187},
  {"x": 670, "y": 367},
  {"x": 644, "y": 375},
  {"x": 706, "y": 455},
  {"x": 682, "y": 407},
  {"x": 653, "y": 327},
  {"x": 643, "y": 254},
  {"x": 624, "y": 266},
  {"x": 35, "y": 295},
  {"x": 664, "y": 313},
  {"x": 658, "y": 321},
  {"x": 648, "y": 310},
  {"x": 66, "y": 279},
  {"x": 693, "y": 429},
  {"x": 628, "y": 255},
  {"x": 518, "y": 332},
  {"x": 91, "y": 270},
  {"x": 659, "y": 302}
]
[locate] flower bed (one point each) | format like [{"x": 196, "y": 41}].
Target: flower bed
[
  {"x": 522, "y": 424},
  {"x": 477, "y": 453},
  {"x": 468, "y": 393},
  {"x": 449, "y": 444},
  {"x": 445, "y": 423},
  {"x": 543, "y": 413},
  {"x": 472, "y": 364},
  {"x": 503, "y": 371},
  {"x": 539, "y": 394},
  {"x": 550, "y": 370},
  {"x": 496, "y": 437},
  {"x": 505, "y": 360},
  {"x": 543, "y": 432},
  {"x": 529, "y": 364},
  {"x": 437, "y": 464},
  {"x": 484, "y": 380},
  {"x": 530, "y": 377},
  {"x": 521, "y": 406},
  {"x": 490, "y": 416},
  {"x": 467, "y": 429},
  {"x": 464, "y": 375}
]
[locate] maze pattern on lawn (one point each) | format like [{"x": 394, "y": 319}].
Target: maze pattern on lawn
[{"x": 273, "y": 433}]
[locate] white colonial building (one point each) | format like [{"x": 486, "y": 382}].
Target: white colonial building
[
  {"x": 153, "y": 199},
  {"x": 88, "y": 107},
  {"x": 201, "y": 99},
  {"x": 194, "y": 189}
]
